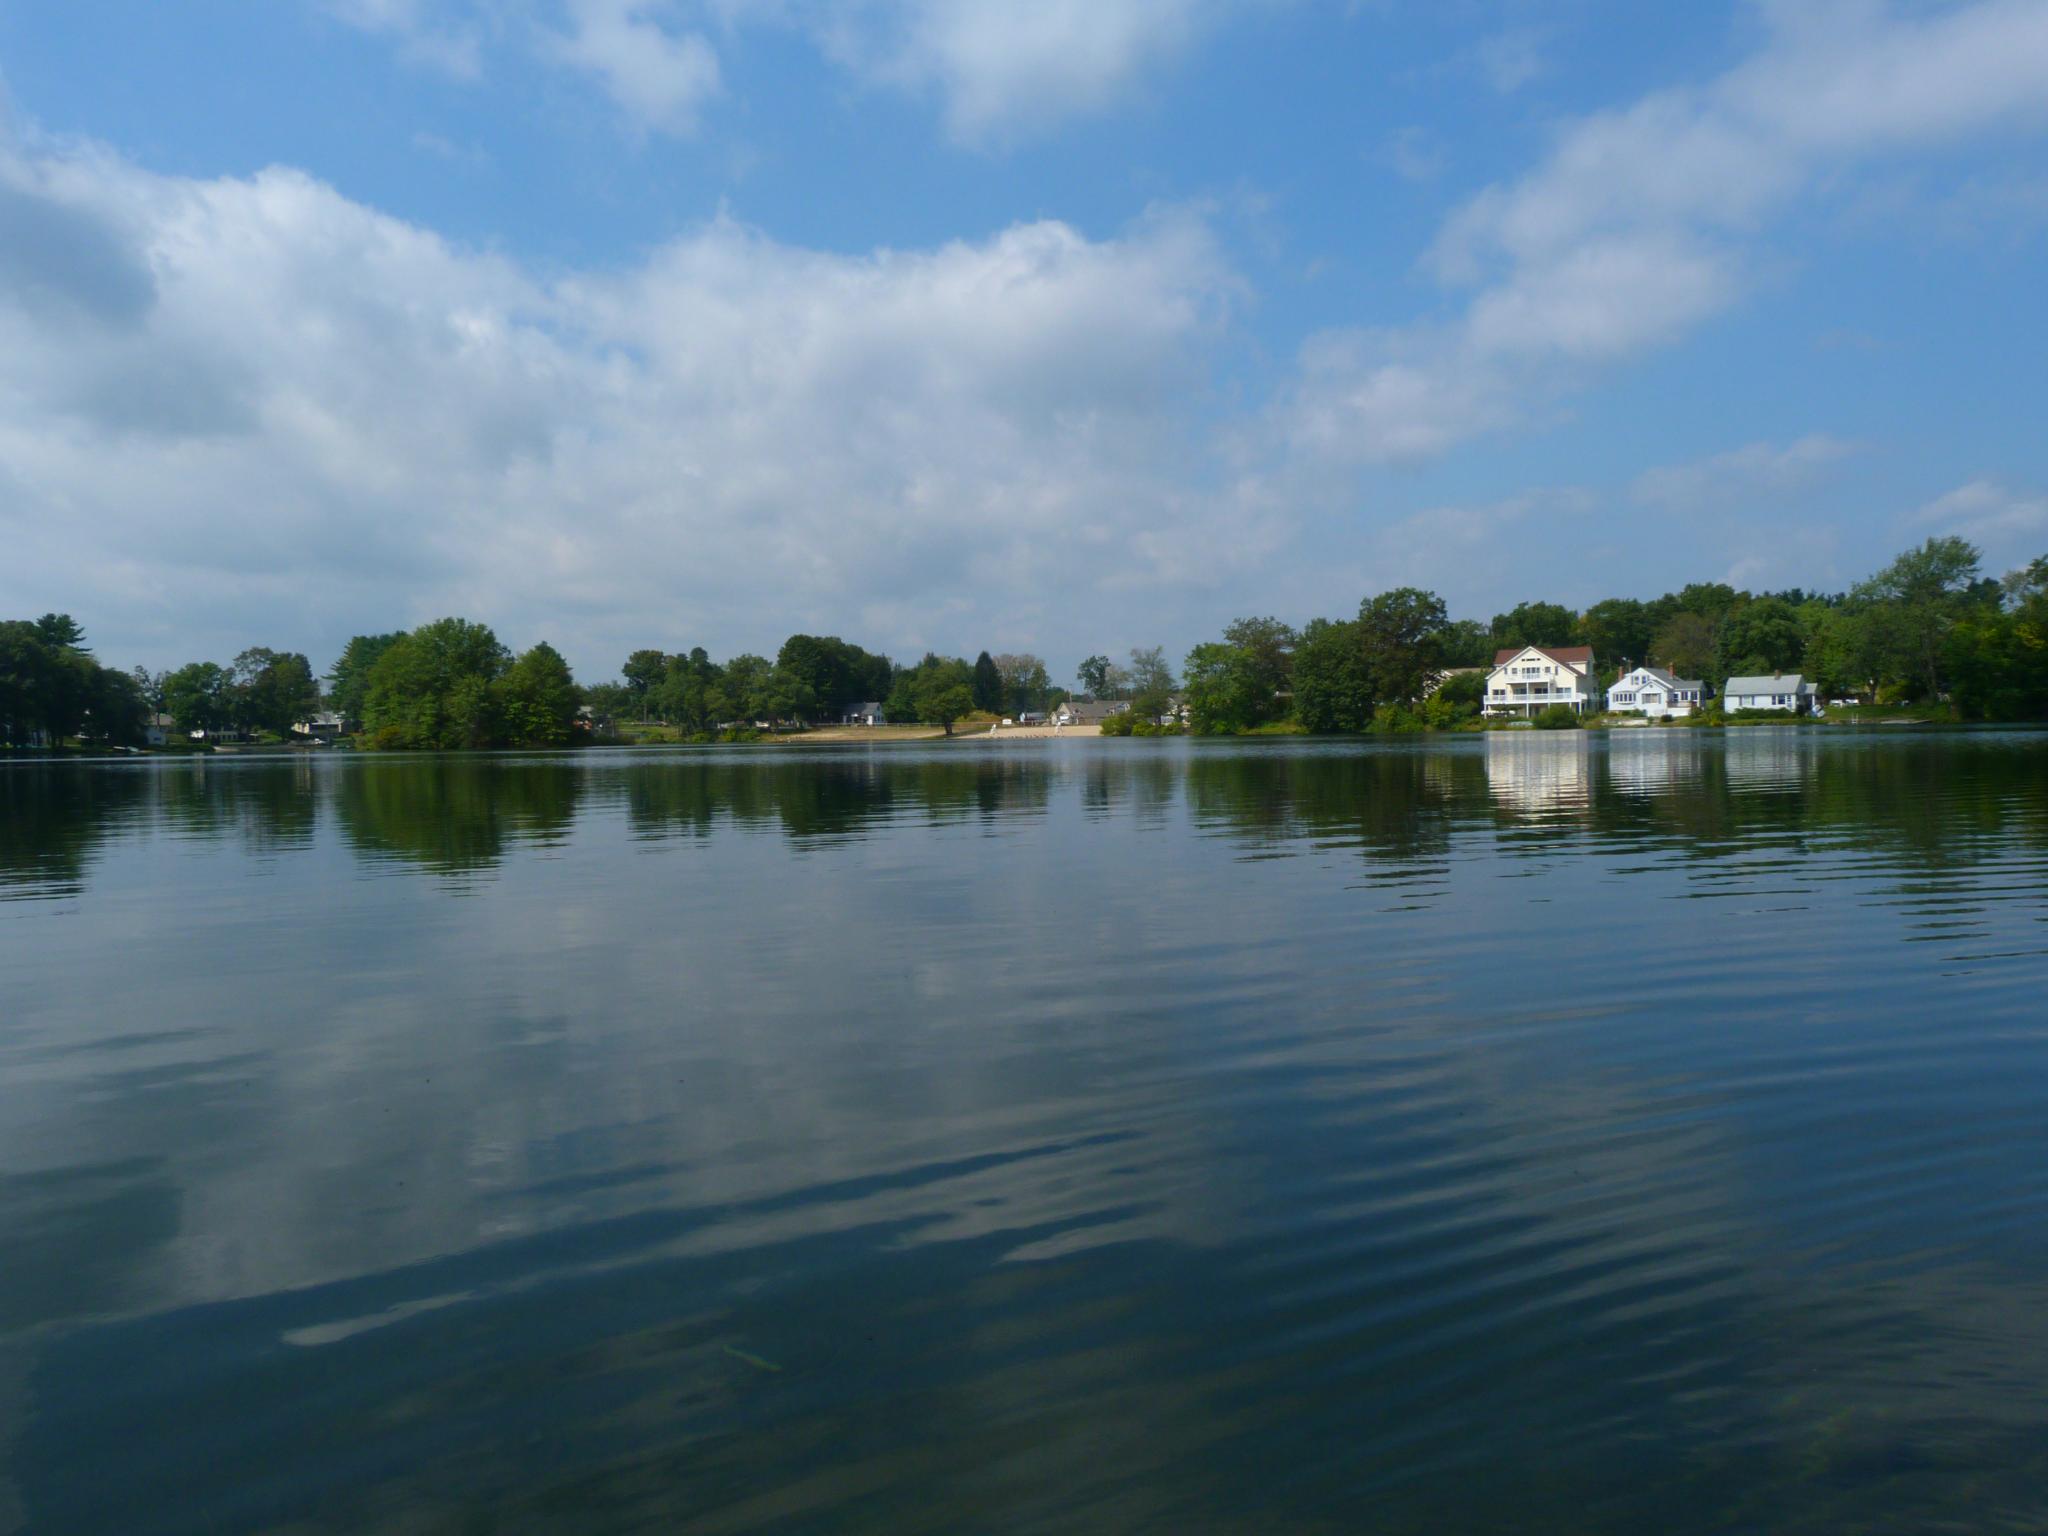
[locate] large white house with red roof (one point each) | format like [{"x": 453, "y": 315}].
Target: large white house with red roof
[{"x": 1530, "y": 680}]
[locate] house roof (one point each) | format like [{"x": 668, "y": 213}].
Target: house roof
[
  {"x": 1096, "y": 709},
  {"x": 1578, "y": 656},
  {"x": 1662, "y": 675},
  {"x": 1784, "y": 682}
]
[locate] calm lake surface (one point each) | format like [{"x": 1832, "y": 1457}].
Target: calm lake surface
[{"x": 1546, "y": 1133}]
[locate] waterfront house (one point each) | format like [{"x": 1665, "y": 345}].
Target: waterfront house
[
  {"x": 325, "y": 726},
  {"x": 1785, "y": 691},
  {"x": 870, "y": 713},
  {"x": 1529, "y": 680},
  {"x": 1087, "y": 711},
  {"x": 161, "y": 731},
  {"x": 1654, "y": 692}
]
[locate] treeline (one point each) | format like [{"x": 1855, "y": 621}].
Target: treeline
[
  {"x": 1929, "y": 628},
  {"x": 453, "y": 684},
  {"x": 813, "y": 679},
  {"x": 52, "y": 688}
]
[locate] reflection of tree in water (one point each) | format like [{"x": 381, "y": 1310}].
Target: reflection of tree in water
[
  {"x": 53, "y": 818},
  {"x": 456, "y": 814},
  {"x": 1392, "y": 803},
  {"x": 1944, "y": 802},
  {"x": 267, "y": 806},
  {"x": 825, "y": 799}
]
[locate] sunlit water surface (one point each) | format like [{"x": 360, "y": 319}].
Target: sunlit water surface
[{"x": 1547, "y": 1133}]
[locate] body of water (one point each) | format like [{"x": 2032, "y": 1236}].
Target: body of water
[{"x": 1643, "y": 1132}]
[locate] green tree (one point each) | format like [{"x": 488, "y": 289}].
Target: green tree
[
  {"x": 196, "y": 696},
  {"x": 61, "y": 632},
  {"x": 1760, "y": 636},
  {"x": 1149, "y": 672},
  {"x": 1619, "y": 629},
  {"x": 1685, "y": 644},
  {"x": 1093, "y": 676},
  {"x": 988, "y": 684},
  {"x": 1268, "y": 645},
  {"x": 272, "y": 689},
  {"x": 1924, "y": 591},
  {"x": 1534, "y": 624},
  {"x": 941, "y": 702},
  {"x": 432, "y": 688},
  {"x": 1333, "y": 690},
  {"x": 644, "y": 671},
  {"x": 348, "y": 680},
  {"x": 538, "y": 699},
  {"x": 1225, "y": 689},
  {"x": 1399, "y": 632}
]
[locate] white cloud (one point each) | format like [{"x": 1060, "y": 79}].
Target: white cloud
[
  {"x": 658, "y": 76},
  {"x": 2009, "y": 524},
  {"x": 1510, "y": 60},
  {"x": 256, "y": 399},
  {"x": 1001, "y": 69},
  {"x": 1643, "y": 223},
  {"x": 1728, "y": 480},
  {"x": 1415, "y": 154},
  {"x": 436, "y": 35}
]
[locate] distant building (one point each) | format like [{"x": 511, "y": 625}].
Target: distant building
[
  {"x": 1786, "y": 691},
  {"x": 1528, "y": 681},
  {"x": 161, "y": 731},
  {"x": 325, "y": 726},
  {"x": 1087, "y": 711},
  {"x": 870, "y": 713},
  {"x": 1654, "y": 692}
]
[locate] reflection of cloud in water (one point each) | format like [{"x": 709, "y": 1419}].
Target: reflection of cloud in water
[{"x": 1075, "y": 1137}]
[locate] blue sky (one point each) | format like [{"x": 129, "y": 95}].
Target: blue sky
[{"x": 1063, "y": 327}]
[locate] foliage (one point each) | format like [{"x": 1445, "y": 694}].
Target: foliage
[
  {"x": 51, "y": 688},
  {"x": 1400, "y": 633},
  {"x": 271, "y": 690},
  {"x": 1332, "y": 687},
  {"x": 1534, "y": 624},
  {"x": 988, "y": 684},
  {"x": 1397, "y": 720},
  {"x": 1685, "y": 644},
  {"x": 1225, "y": 690},
  {"x": 1764, "y": 636},
  {"x": 1557, "y": 717},
  {"x": 1149, "y": 672},
  {"x": 1093, "y": 676},
  {"x": 433, "y": 689},
  {"x": 537, "y": 699},
  {"x": 348, "y": 680}
]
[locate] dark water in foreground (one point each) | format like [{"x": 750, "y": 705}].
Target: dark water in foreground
[{"x": 1645, "y": 1135}]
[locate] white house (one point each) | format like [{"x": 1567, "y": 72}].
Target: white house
[
  {"x": 870, "y": 713},
  {"x": 1654, "y": 692},
  {"x": 1788, "y": 691},
  {"x": 1530, "y": 680},
  {"x": 1087, "y": 711}
]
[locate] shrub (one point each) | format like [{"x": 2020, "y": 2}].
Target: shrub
[
  {"x": 1395, "y": 720},
  {"x": 1123, "y": 723},
  {"x": 1557, "y": 717}
]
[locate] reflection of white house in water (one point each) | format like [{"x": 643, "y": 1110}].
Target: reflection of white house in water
[
  {"x": 1769, "y": 757},
  {"x": 1653, "y": 762},
  {"x": 1539, "y": 773}
]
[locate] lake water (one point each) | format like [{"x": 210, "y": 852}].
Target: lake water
[{"x": 1547, "y": 1133}]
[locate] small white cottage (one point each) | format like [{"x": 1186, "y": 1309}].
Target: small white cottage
[
  {"x": 1786, "y": 691},
  {"x": 1655, "y": 693}
]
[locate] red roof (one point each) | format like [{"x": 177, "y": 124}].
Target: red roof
[{"x": 1570, "y": 655}]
